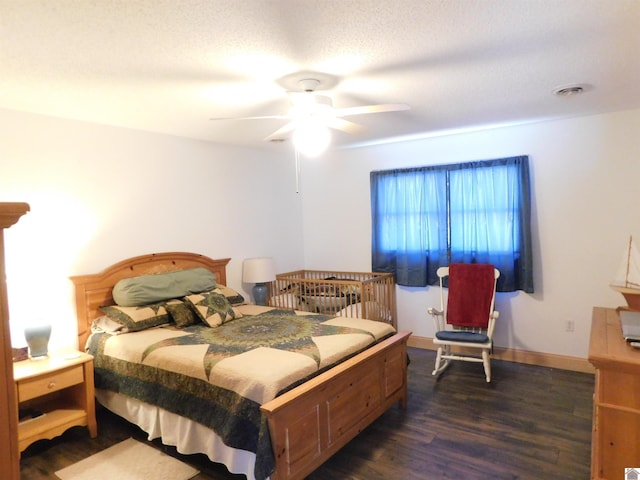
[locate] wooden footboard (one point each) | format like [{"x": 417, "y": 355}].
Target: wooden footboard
[{"x": 313, "y": 421}]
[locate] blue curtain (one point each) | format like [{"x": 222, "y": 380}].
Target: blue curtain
[{"x": 476, "y": 212}]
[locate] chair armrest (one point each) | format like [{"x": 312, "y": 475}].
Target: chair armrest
[
  {"x": 492, "y": 323},
  {"x": 438, "y": 318}
]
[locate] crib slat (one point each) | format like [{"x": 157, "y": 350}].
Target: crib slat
[{"x": 349, "y": 294}]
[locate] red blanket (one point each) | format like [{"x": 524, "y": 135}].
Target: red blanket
[{"x": 470, "y": 294}]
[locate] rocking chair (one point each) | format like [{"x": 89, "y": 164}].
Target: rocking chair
[{"x": 469, "y": 318}]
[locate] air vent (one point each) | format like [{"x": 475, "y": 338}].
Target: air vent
[{"x": 569, "y": 90}]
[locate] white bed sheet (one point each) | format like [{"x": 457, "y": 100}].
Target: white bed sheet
[{"x": 187, "y": 436}]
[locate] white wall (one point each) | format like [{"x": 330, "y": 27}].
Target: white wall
[
  {"x": 585, "y": 175},
  {"x": 100, "y": 194}
]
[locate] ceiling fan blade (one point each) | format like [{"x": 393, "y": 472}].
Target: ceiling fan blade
[
  {"x": 385, "y": 107},
  {"x": 279, "y": 117},
  {"x": 281, "y": 132},
  {"x": 345, "y": 126}
]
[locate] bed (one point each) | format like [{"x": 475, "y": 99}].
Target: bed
[
  {"x": 367, "y": 295},
  {"x": 290, "y": 430}
]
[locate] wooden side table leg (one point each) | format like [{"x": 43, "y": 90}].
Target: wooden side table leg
[{"x": 90, "y": 399}]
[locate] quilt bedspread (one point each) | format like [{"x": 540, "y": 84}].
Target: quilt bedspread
[{"x": 220, "y": 376}]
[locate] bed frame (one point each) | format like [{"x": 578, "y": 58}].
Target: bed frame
[
  {"x": 367, "y": 295},
  {"x": 309, "y": 423}
]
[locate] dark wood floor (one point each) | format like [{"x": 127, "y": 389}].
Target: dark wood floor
[{"x": 528, "y": 423}]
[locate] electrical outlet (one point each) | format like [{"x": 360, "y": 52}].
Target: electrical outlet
[{"x": 569, "y": 326}]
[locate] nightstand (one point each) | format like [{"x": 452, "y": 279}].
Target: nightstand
[{"x": 53, "y": 395}]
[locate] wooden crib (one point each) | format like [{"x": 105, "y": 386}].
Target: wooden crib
[{"x": 367, "y": 295}]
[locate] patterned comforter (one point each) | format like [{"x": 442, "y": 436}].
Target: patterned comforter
[{"x": 220, "y": 376}]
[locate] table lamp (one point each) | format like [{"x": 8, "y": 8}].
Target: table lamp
[
  {"x": 37, "y": 336},
  {"x": 258, "y": 271}
]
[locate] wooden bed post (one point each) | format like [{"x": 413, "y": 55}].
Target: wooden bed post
[{"x": 10, "y": 213}]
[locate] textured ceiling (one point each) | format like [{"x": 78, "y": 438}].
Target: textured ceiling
[{"x": 169, "y": 66}]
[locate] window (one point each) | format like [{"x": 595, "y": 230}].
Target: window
[{"x": 476, "y": 212}]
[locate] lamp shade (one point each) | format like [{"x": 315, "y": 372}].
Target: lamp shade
[
  {"x": 258, "y": 270},
  {"x": 37, "y": 337}
]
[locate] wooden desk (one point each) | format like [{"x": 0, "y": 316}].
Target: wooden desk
[{"x": 616, "y": 402}]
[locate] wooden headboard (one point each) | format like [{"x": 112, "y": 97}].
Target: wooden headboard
[{"x": 93, "y": 291}]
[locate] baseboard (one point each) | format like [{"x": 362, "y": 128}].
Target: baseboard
[{"x": 551, "y": 360}]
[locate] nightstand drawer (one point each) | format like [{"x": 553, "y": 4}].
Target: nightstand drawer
[{"x": 50, "y": 382}]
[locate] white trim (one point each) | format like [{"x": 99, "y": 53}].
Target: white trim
[{"x": 542, "y": 359}]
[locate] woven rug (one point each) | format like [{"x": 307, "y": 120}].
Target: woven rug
[{"x": 128, "y": 460}]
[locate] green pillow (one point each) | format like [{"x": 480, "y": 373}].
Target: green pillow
[
  {"x": 134, "y": 319},
  {"x": 182, "y": 314},
  {"x": 146, "y": 289},
  {"x": 213, "y": 308}
]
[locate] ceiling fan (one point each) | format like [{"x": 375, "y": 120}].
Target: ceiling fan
[{"x": 312, "y": 115}]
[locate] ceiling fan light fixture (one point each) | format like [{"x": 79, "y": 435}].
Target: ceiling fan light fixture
[
  {"x": 309, "y": 84},
  {"x": 309, "y": 104},
  {"x": 311, "y": 115},
  {"x": 311, "y": 138}
]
